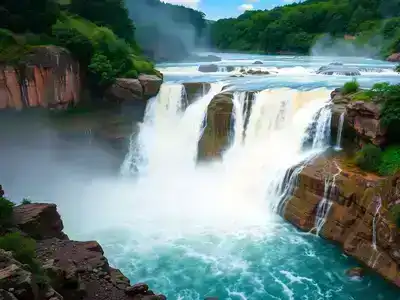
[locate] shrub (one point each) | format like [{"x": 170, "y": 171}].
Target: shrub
[
  {"x": 101, "y": 70},
  {"x": 397, "y": 69},
  {"x": 23, "y": 248},
  {"x": 26, "y": 201},
  {"x": 350, "y": 87},
  {"x": 390, "y": 162},
  {"x": 391, "y": 113},
  {"x": 6, "y": 211},
  {"x": 369, "y": 158}
]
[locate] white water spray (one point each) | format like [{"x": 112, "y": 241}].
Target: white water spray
[
  {"x": 378, "y": 203},
  {"x": 339, "y": 133}
]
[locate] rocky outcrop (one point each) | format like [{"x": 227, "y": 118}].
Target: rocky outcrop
[
  {"x": 215, "y": 137},
  {"x": 126, "y": 90},
  {"x": 48, "y": 77},
  {"x": 359, "y": 218},
  {"x": 338, "y": 69},
  {"x": 208, "y": 68},
  {"x": 362, "y": 120},
  {"x": 395, "y": 57},
  {"x": 74, "y": 270}
]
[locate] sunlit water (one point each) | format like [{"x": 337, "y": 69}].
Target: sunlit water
[{"x": 213, "y": 230}]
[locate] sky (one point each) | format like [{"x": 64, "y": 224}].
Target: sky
[{"x": 217, "y": 9}]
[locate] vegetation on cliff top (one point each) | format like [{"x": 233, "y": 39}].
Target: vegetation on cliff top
[
  {"x": 99, "y": 34},
  {"x": 298, "y": 27}
]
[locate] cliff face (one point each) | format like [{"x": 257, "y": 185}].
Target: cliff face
[
  {"x": 49, "y": 78},
  {"x": 359, "y": 217}
]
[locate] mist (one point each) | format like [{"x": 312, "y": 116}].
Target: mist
[{"x": 165, "y": 31}]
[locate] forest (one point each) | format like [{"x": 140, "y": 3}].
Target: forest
[
  {"x": 296, "y": 28},
  {"x": 103, "y": 35}
]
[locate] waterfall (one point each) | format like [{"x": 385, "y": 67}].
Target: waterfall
[
  {"x": 339, "y": 133},
  {"x": 378, "y": 203},
  {"x": 325, "y": 204},
  {"x": 169, "y": 134}
]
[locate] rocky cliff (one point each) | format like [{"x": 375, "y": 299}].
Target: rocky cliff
[
  {"x": 48, "y": 77},
  {"x": 358, "y": 217},
  {"x": 69, "y": 269}
]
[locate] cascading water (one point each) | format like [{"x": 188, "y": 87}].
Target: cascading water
[
  {"x": 339, "y": 133},
  {"x": 325, "y": 204}
]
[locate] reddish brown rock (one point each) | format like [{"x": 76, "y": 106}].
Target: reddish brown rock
[
  {"x": 39, "y": 220},
  {"x": 49, "y": 78},
  {"x": 395, "y": 57},
  {"x": 151, "y": 85},
  {"x": 355, "y": 200}
]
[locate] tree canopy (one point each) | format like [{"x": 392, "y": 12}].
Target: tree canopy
[{"x": 297, "y": 27}]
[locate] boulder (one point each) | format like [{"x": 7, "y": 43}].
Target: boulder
[
  {"x": 39, "y": 220},
  {"x": 257, "y": 62},
  {"x": 217, "y": 126},
  {"x": 208, "y": 68},
  {"x": 395, "y": 57},
  {"x": 49, "y": 77},
  {"x": 125, "y": 90},
  {"x": 151, "y": 85},
  {"x": 257, "y": 72}
]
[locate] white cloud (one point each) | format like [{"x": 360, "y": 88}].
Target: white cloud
[
  {"x": 188, "y": 3},
  {"x": 245, "y": 7}
]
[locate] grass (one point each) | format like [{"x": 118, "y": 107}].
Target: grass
[{"x": 350, "y": 87}]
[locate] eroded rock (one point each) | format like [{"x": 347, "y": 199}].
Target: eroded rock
[
  {"x": 125, "y": 89},
  {"x": 39, "y": 220}
]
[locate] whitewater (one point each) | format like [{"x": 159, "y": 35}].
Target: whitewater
[{"x": 191, "y": 229}]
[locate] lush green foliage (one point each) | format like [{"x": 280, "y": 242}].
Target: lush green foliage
[
  {"x": 296, "y": 27},
  {"x": 391, "y": 112},
  {"x": 103, "y": 42},
  {"x": 23, "y": 248},
  {"x": 108, "y": 13},
  {"x": 6, "y": 211},
  {"x": 350, "y": 87},
  {"x": 36, "y": 16},
  {"x": 397, "y": 69},
  {"x": 390, "y": 163},
  {"x": 369, "y": 158}
]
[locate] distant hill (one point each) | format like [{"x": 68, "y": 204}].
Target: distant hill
[{"x": 371, "y": 27}]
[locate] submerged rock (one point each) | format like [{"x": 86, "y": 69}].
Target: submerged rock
[
  {"x": 339, "y": 70},
  {"x": 257, "y": 72},
  {"x": 355, "y": 273},
  {"x": 257, "y": 62},
  {"x": 208, "y": 68}
]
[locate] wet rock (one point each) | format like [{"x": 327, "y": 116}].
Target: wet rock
[
  {"x": 195, "y": 90},
  {"x": 355, "y": 273},
  {"x": 151, "y": 85},
  {"x": 39, "y": 220},
  {"x": 257, "y": 72},
  {"x": 230, "y": 68},
  {"x": 200, "y": 58},
  {"x": 137, "y": 289},
  {"x": 125, "y": 90},
  {"x": 339, "y": 70},
  {"x": 257, "y": 62},
  {"x": 349, "y": 221},
  {"x": 208, "y": 68}
]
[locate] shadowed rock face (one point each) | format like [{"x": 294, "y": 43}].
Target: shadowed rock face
[
  {"x": 195, "y": 90},
  {"x": 355, "y": 201},
  {"x": 47, "y": 78}
]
